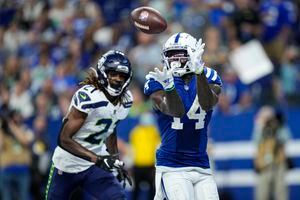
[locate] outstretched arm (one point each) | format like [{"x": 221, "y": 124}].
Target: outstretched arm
[
  {"x": 207, "y": 93},
  {"x": 167, "y": 100}
]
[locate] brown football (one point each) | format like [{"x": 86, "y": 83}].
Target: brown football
[{"x": 148, "y": 20}]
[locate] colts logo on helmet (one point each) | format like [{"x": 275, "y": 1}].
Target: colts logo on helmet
[{"x": 144, "y": 16}]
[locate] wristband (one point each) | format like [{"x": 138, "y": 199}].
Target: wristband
[
  {"x": 169, "y": 85},
  {"x": 170, "y": 89}
]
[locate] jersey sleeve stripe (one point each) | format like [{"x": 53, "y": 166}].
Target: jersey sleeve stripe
[
  {"x": 127, "y": 104},
  {"x": 208, "y": 72},
  {"x": 215, "y": 76},
  {"x": 95, "y": 105},
  {"x": 75, "y": 100},
  {"x": 211, "y": 74}
]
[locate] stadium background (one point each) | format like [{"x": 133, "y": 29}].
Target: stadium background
[{"x": 46, "y": 47}]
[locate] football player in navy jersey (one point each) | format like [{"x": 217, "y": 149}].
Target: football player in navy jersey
[
  {"x": 86, "y": 154},
  {"x": 183, "y": 93}
]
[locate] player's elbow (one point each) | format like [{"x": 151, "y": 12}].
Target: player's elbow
[
  {"x": 208, "y": 103},
  {"x": 64, "y": 141},
  {"x": 207, "y": 106}
]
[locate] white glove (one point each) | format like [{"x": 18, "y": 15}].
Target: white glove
[
  {"x": 196, "y": 63},
  {"x": 164, "y": 77}
]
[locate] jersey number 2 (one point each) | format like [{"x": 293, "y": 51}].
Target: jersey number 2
[
  {"x": 95, "y": 137},
  {"x": 191, "y": 114}
]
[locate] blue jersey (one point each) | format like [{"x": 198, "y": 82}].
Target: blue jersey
[{"x": 184, "y": 140}]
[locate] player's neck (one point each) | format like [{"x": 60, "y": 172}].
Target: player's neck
[
  {"x": 187, "y": 78},
  {"x": 112, "y": 99}
]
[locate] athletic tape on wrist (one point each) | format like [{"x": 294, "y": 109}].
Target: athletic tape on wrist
[{"x": 170, "y": 89}]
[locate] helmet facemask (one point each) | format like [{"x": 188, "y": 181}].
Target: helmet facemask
[
  {"x": 178, "y": 60},
  {"x": 175, "y": 53},
  {"x": 115, "y": 87},
  {"x": 114, "y": 62}
]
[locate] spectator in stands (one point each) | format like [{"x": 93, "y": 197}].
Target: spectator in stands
[
  {"x": 42, "y": 105},
  {"x": 216, "y": 53},
  {"x": 144, "y": 140},
  {"x": 278, "y": 17},
  {"x": 290, "y": 75},
  {"x": 32, "y": 9},
  {"x": 3, "y": 51},
  {"x": 60, "y": 12},
  {"x": 41, "y": 157},
  {"x": 11, "y": 70},
  {"x": 244, "y": 23},
  {"x": 41, "y": 72},
  {"x": 14, "y": 36},
  {"x": 20, "y": 96},
  {"x": 64, "y": 80},
  {"x": 194, "y": 17},
  {"x": 271, "y": 135},
  {"x": 146, "y": 46},
  {"x": 15, "y": 156},
  {"x": 239, "y": 95}
]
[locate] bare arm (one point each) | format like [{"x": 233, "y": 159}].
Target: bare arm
[
  {"x": 112, "y": 144},
  {"x": 169, "y": 102},
  {"x": 72, "y": 123},
  {"x": 207, "y": 93}
]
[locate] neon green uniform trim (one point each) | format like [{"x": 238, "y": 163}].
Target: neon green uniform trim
[{"x": 49, "y": 181}]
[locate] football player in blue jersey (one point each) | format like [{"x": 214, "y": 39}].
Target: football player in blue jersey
[
  {"x": 86, "y": 155},
  {"x": 183, "y": 94}
]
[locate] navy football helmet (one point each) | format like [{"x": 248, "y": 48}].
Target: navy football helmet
[{"x": 114, "y": 61}]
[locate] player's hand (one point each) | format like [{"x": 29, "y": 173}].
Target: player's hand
[
  {"x": 164, "y": 77},
  {"x": 124, "y": 177},
  {"x": 109, "y": 162},
  {"x": 197, "y": 65}
]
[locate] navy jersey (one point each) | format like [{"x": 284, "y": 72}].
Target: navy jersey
[{"x": 184, "y": 140}]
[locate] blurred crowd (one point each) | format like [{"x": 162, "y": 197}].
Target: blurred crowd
[{"x": 47, "y": 46}]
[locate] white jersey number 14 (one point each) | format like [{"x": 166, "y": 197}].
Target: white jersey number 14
[{"x": 191, "y": 114}]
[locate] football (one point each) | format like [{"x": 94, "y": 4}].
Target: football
[{"x": 148, "y": 20}]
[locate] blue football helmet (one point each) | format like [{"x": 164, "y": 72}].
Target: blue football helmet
[{"x": 114, "y": 61}]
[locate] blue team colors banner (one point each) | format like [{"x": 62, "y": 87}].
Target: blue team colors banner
[{"x": 233, "y": 151}]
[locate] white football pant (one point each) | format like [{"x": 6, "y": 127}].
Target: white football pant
[{"x": 185, "y": 185}]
